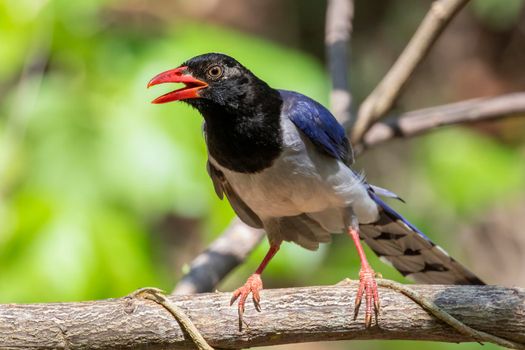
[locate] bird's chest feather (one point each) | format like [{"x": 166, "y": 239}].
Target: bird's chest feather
[{"x": 298, "y": 180}]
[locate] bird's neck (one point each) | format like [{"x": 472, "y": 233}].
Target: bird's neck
[{"x": 245, "y": 137}]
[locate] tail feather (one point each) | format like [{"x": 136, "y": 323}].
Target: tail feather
[{"x": 401, "y": 244}]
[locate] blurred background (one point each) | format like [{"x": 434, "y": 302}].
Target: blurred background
[{"x": 102, "y": 193}]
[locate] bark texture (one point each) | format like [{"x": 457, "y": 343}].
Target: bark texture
[{"x": 288, "y": 316}]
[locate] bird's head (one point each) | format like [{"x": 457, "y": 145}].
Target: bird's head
[{"x": 211, "y": 78}]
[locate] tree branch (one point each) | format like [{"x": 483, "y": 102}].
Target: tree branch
[
  {"x": 228, "y": 251},
  {"x": 424, "y": 120},
  {"x": 288, "y": 316},
  {"x": 381, "y": 100}
]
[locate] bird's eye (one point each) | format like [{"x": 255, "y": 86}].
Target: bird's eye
[{"x": 215, "y": 72}]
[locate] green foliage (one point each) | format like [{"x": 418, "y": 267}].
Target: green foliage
[
  {"x": 469, "y": 171},
  {"x": 89, "y": 163}
]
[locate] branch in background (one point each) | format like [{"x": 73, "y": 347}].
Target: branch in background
[
  {"x": 428, "y": 119},
  {"x": 288, "y": 316},
  {"x": 381, "y": 100},
  {"x": 339, "y": 15},
  {"x": 223, "y": 255}
]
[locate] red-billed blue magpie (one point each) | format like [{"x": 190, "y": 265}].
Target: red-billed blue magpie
[{"x": 283, "y": 162}]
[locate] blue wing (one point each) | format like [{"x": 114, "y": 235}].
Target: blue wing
[{"x": 318, "y": 124}]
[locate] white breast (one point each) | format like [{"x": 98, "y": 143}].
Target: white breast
[{"x": 301, "y": 180}]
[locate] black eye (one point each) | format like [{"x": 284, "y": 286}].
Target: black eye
[{"x": 215, "y": 72}]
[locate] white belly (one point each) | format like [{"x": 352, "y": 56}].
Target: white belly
[{"x": 301, "y": 180}]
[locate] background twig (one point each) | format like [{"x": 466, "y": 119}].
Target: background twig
[
  {"x": 339, "y": 15},
  {"x": 381, "y": 100},
  {"x": 228, "y": 251},
  {"x": 429, "y": 119}
]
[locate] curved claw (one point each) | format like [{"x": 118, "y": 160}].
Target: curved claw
[
  {"x": 252, "y": 286},
  {"x": 368, "y": 288}
]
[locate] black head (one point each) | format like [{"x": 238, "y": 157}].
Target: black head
[
  {"x": 242, "y": 112},
  {"x": 214, "y": 80}
]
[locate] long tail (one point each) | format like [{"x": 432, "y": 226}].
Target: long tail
[{"x": 412, "y": 253}]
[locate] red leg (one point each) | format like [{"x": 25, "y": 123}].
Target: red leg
[
  {"x": 367, "y": 283},
  {"x": 253, "y": 285}
]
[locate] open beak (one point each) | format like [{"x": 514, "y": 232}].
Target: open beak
[{"x": 177, "y": 75}]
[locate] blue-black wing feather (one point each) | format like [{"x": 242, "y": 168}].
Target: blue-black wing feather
[{"x": 318, "y": 124}]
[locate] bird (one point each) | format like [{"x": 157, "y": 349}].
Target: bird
[{"x": 284, "y": 163}]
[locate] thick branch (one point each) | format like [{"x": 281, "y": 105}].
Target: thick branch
[
  {"x": 381, "y": 100},
  {"x": 288, "y": 316},
  {"x": 424, "y": 120}
]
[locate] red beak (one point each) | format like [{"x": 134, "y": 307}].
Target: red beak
[{"x": 191, "y": 90}]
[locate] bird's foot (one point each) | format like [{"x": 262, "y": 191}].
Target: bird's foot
[
  {"x": 253, "y": 285},
  {"x": 368, "y": 288}
]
